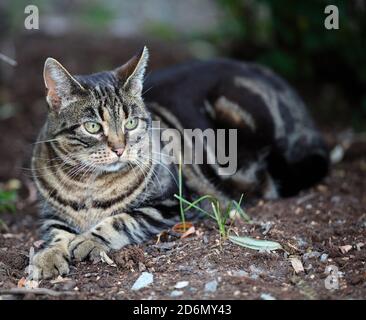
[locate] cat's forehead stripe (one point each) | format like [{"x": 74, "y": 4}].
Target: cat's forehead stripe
[{"x": 109, "y": 97}]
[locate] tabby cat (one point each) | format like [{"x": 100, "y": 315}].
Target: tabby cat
[{"x": 102, "y": 184}]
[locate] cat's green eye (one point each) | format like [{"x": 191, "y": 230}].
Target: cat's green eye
[
  {"x": 92, "y": 127},
  {"x": 131, "y": 123}
]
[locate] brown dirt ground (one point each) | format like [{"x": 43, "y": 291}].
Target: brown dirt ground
[
  {"x": 314, "y": 223},
  {"x": 311, "y": 226}
]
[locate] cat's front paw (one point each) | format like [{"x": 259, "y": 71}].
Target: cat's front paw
[
  {"x": 49, "y": 263},
  {"x": 85, "y": 247}
]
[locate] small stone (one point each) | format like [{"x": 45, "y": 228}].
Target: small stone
[
  {"x": 176, "y": 293},
  {"x": 255, "y": 272},
  {"x": 335, "y": 199},
  {"x": 181, "y": 284},
  {"x": 211, "y": 286},
  {"x": 142, "y": 267},
  {"x": 68, "y": 285},
  {"x": 267, "y": 296},
  {"x": 309, "y": 267},
  {"x": 239, "y": 273},
  {"x": 310, "y": 255},
  {"x": 143, "y": 281},
  {"x": 324, "y": 257}
]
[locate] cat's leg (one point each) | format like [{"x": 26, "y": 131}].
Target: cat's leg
[
  {"x": 118, "y": 231},
  {"x": 54, "y": 258}
]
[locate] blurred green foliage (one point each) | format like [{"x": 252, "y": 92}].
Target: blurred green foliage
[
  {"x": 290, "y": 37},
  {"x": 295, "y": 32},
  {"x": 96, "y": 15},
  {"x": 7, "y": 200}
]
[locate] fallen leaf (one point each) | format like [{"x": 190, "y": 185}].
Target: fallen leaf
[
  {"x": 59, "y": 279},
  {"x": 189, "y": 232},
  {"x": 28, "y": 284},
  {"x": 107, "y": 259},
  {"x": 162, "y": 234},
  {"x": 182, "y": 227},
  {"x": 255, "y": 244},
  {"x": 22, "y": 282},
  {"x": 345, "y": 249},
  {"x": 297, "y": 264}
]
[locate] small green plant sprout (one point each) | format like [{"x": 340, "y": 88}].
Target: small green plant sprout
[
  {"x": 180, "y": 189},
  {"x": 219, "y": 215},
  {"x": 222, "y": 216}
]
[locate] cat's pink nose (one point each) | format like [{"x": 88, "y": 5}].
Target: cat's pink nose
[{"x": 118, "y": 151}]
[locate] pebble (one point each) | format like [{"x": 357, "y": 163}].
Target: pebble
[
  {"x": 335, "y": 199},
  {"x": 267, "y": 296},
  {"x": 165, "y": 246},
  {"x": 142, "y": 267},
  {"x": 301, "y": 242},
  {"x": 69, "y": 285},
  {"x": 255, "y": 272},
  {"x": 239, "y": 273},
  {"x": 176, "y": 293},
  {"x": 143, "y": 281},
  {"x": 324, "y": 257},
  {"x": 211, "y": 286},
  {"x": 205, "y": 239},
  {"x": 181, "y": 284},
  {"x": 310, "y": 255}
]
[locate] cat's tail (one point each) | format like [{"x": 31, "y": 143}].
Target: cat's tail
[{"x": 309, "y": 167}]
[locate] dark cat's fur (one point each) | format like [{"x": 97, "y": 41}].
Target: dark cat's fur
[{"x": 103, "y": 188}]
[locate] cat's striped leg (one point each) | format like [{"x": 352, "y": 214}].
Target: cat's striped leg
[
  {"x": 118, "y": 231},
  {"x": 54, "y": 258}
]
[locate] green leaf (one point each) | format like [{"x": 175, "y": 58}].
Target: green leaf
[
  {"x": 192, "y": 205},
  {"x": 241, "y": 212},
  {"x": 255, "y": 244}
]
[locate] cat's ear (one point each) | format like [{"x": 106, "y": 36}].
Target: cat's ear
[
  {"x": 62, "y": 87},
  {"x": 131, "y": 74}
]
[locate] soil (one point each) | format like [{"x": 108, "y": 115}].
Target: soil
[{"x": 322, "y": 227}]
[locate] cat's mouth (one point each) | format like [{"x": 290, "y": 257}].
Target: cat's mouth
[{"x": 113, "y": 167}]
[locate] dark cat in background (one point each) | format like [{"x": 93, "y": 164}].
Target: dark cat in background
[{"x": 102, "y": 184}]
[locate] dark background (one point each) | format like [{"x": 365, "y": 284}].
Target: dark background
[
  {"x": 324, "y": 225},
  {"x": 327, "y": 67}
]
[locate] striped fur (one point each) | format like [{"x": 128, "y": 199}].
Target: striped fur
[{"x": 104, "y": 190}]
